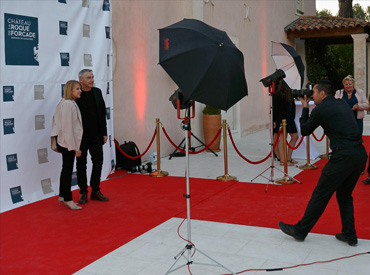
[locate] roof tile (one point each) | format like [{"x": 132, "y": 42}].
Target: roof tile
[{"x": 324, "y": 22}]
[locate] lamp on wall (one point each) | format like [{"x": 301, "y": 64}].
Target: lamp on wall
[{"x": 247, "y": 9}]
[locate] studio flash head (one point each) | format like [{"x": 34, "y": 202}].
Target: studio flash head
[
  {"x": 276, "y": 76},
  {"x": 178, "y": 94}
]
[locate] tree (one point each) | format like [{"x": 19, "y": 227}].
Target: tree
[
  {"x": 345, "y": 8},
  {"x": 358, "y": 12},
  {"x": 324, "y": 12}
]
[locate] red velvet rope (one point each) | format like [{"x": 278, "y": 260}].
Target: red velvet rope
[
  {"x": 323, "y": 135},
  {"x": 247, "y": 160},
  {"x": 193, "y": 153},
  {"x": 136, "y": 157},
  {"x": 299, "y": 144}
]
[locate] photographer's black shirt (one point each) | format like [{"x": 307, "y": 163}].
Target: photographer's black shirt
[{"x": 337, "y": 120}]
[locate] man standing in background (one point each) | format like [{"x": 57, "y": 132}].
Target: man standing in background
[{"x": 93, "y": 112}]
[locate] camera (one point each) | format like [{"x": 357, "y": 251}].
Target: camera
[
  {"x": 276, "y": 76},
  {"x": 145, "y": 168},
  {"x": 304, "y": 92}
]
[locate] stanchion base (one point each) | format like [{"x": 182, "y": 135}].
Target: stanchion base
[
  {"x": 159, "y": 173},
  {"x": 226, "y": 178},
  {"x": 308, "y": 166},
  {"x": 324, "y": 156},
  {"x": 286, "y": 180}
]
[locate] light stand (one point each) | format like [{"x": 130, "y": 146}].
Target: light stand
[
  {"x": 189, "y": 246},
  {"x": 271, "y": 88},
  {"x": 180, "y": 154}
]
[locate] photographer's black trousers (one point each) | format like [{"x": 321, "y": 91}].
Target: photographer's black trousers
[{"x": 339, "y": 175}]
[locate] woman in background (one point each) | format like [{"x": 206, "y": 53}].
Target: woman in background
[
  {"x": 355, "y": 98},
  {"x": 283, "y": 106},
  {"x": 67, "y": 127}
]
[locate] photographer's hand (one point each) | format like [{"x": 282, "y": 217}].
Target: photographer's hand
[{"x": 304, "y": 101}]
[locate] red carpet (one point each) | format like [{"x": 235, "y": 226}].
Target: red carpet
[{"x": 44, "y": 238}]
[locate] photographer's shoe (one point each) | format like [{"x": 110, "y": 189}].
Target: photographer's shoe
[
  {"x": 83, "y": 198},
  {"x": 341, "y": 237},
  {"x": 99, "y": 196},
  {"x": 289, "y": 230}
]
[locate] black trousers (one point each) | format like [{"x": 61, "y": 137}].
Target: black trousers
[
  {"x": 65, "y": 181},
  {"x": 95, "y": 147},
  {"x": 339, "y": 175}
]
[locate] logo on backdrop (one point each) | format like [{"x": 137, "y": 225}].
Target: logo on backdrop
[
  {"x": 107, "y": 32},
  {"x": 42, "y": 155},
  {"x": 86, "y": 3},
  {"x": 107, "y": 88},
  {"x": 16, "y": 194},
  {"x": 8, "y": 126},
  {"x": 107, "y": 60},
  {"x": 62, "y": 93},
  {"x": 8, "y": 93},
  {"x": 21, "y": 40},
  {"x": 12, "y": 162},
  {"x": 107, "y": 111},
  {"x": 88, "y": 60},
  {"x": 39, "y": 122},
  {"x": 39, "y": 92},
  {"x": 62, "y": 1},
  {"x": 106, "y": 5},
  {"x": 63, "y": 27},
  {"x": 46, "y": 186},
  {"x": 86, "y": 30},
  {"x": 74, "y": 179},
  {"x": 64, "y": 59}
]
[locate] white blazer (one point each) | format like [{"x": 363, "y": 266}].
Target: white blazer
[
  {"x": 67, "y": 125},
  {"x": 363, "y": 103}
]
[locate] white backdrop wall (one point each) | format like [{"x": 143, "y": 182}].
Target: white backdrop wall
[{"x": 44, "y": 44}]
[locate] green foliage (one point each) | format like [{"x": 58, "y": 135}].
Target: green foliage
[
  {"x": 209, "y": 110},
  {"x": 359, "y": 13},
  {"x": 324, "y": 12},
  {"x": 332, "y": 62}
]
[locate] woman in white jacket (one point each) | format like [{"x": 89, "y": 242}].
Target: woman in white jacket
[
  {"x": 355, "y": 98},
  {"x": 67, "y": 127}
]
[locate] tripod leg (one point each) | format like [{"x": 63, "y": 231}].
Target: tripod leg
[
  {"x": 201, "y": 142},
  {"x": 174, "y": 152}
]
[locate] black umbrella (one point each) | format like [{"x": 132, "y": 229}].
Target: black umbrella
[
  {"x": 203, "y": 62},
  {"x": 288, "y": 60}
]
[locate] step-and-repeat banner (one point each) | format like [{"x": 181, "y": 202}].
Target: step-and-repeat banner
[{"x": 43, "y": 45}]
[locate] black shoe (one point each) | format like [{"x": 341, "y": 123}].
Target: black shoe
[
  {"x": 289, "y": 230},
  {"x": 99, "y": 196},
  {"x": 83, "y": 198},
  {"x": 341, "y": 237},
  {"x": 366, "y": 181}
]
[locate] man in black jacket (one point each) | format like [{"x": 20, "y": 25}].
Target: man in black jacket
[
  {"x": 93, "y": 112},
  {"x": 341, "y": 173}
]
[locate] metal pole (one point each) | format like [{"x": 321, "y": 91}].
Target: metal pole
[
  {"x": 226, "y": 177},
  {"x": 159, "y": 172},
  {"x": 308, "y": 165}
]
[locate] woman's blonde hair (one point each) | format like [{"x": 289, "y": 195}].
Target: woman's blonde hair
[
  {"x": 67, "y": 91},
  {"x": 349, "y": 78}
]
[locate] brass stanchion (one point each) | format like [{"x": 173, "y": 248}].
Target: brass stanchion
[
  {"x": 287, "y": 179},
  {"x": 308, "y": 165},
  {"x": 159, "y": 172},
  {"x": 326, "y": 155},
  {"x": 226, "y": 177}
]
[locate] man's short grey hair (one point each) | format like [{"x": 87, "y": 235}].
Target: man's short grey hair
[{"x": 81, "y": 73}]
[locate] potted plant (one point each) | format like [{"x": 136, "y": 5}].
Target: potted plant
[{"x": 211, "y": 125}]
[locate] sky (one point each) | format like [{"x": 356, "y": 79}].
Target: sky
[{"x": 333, "y": 5}]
